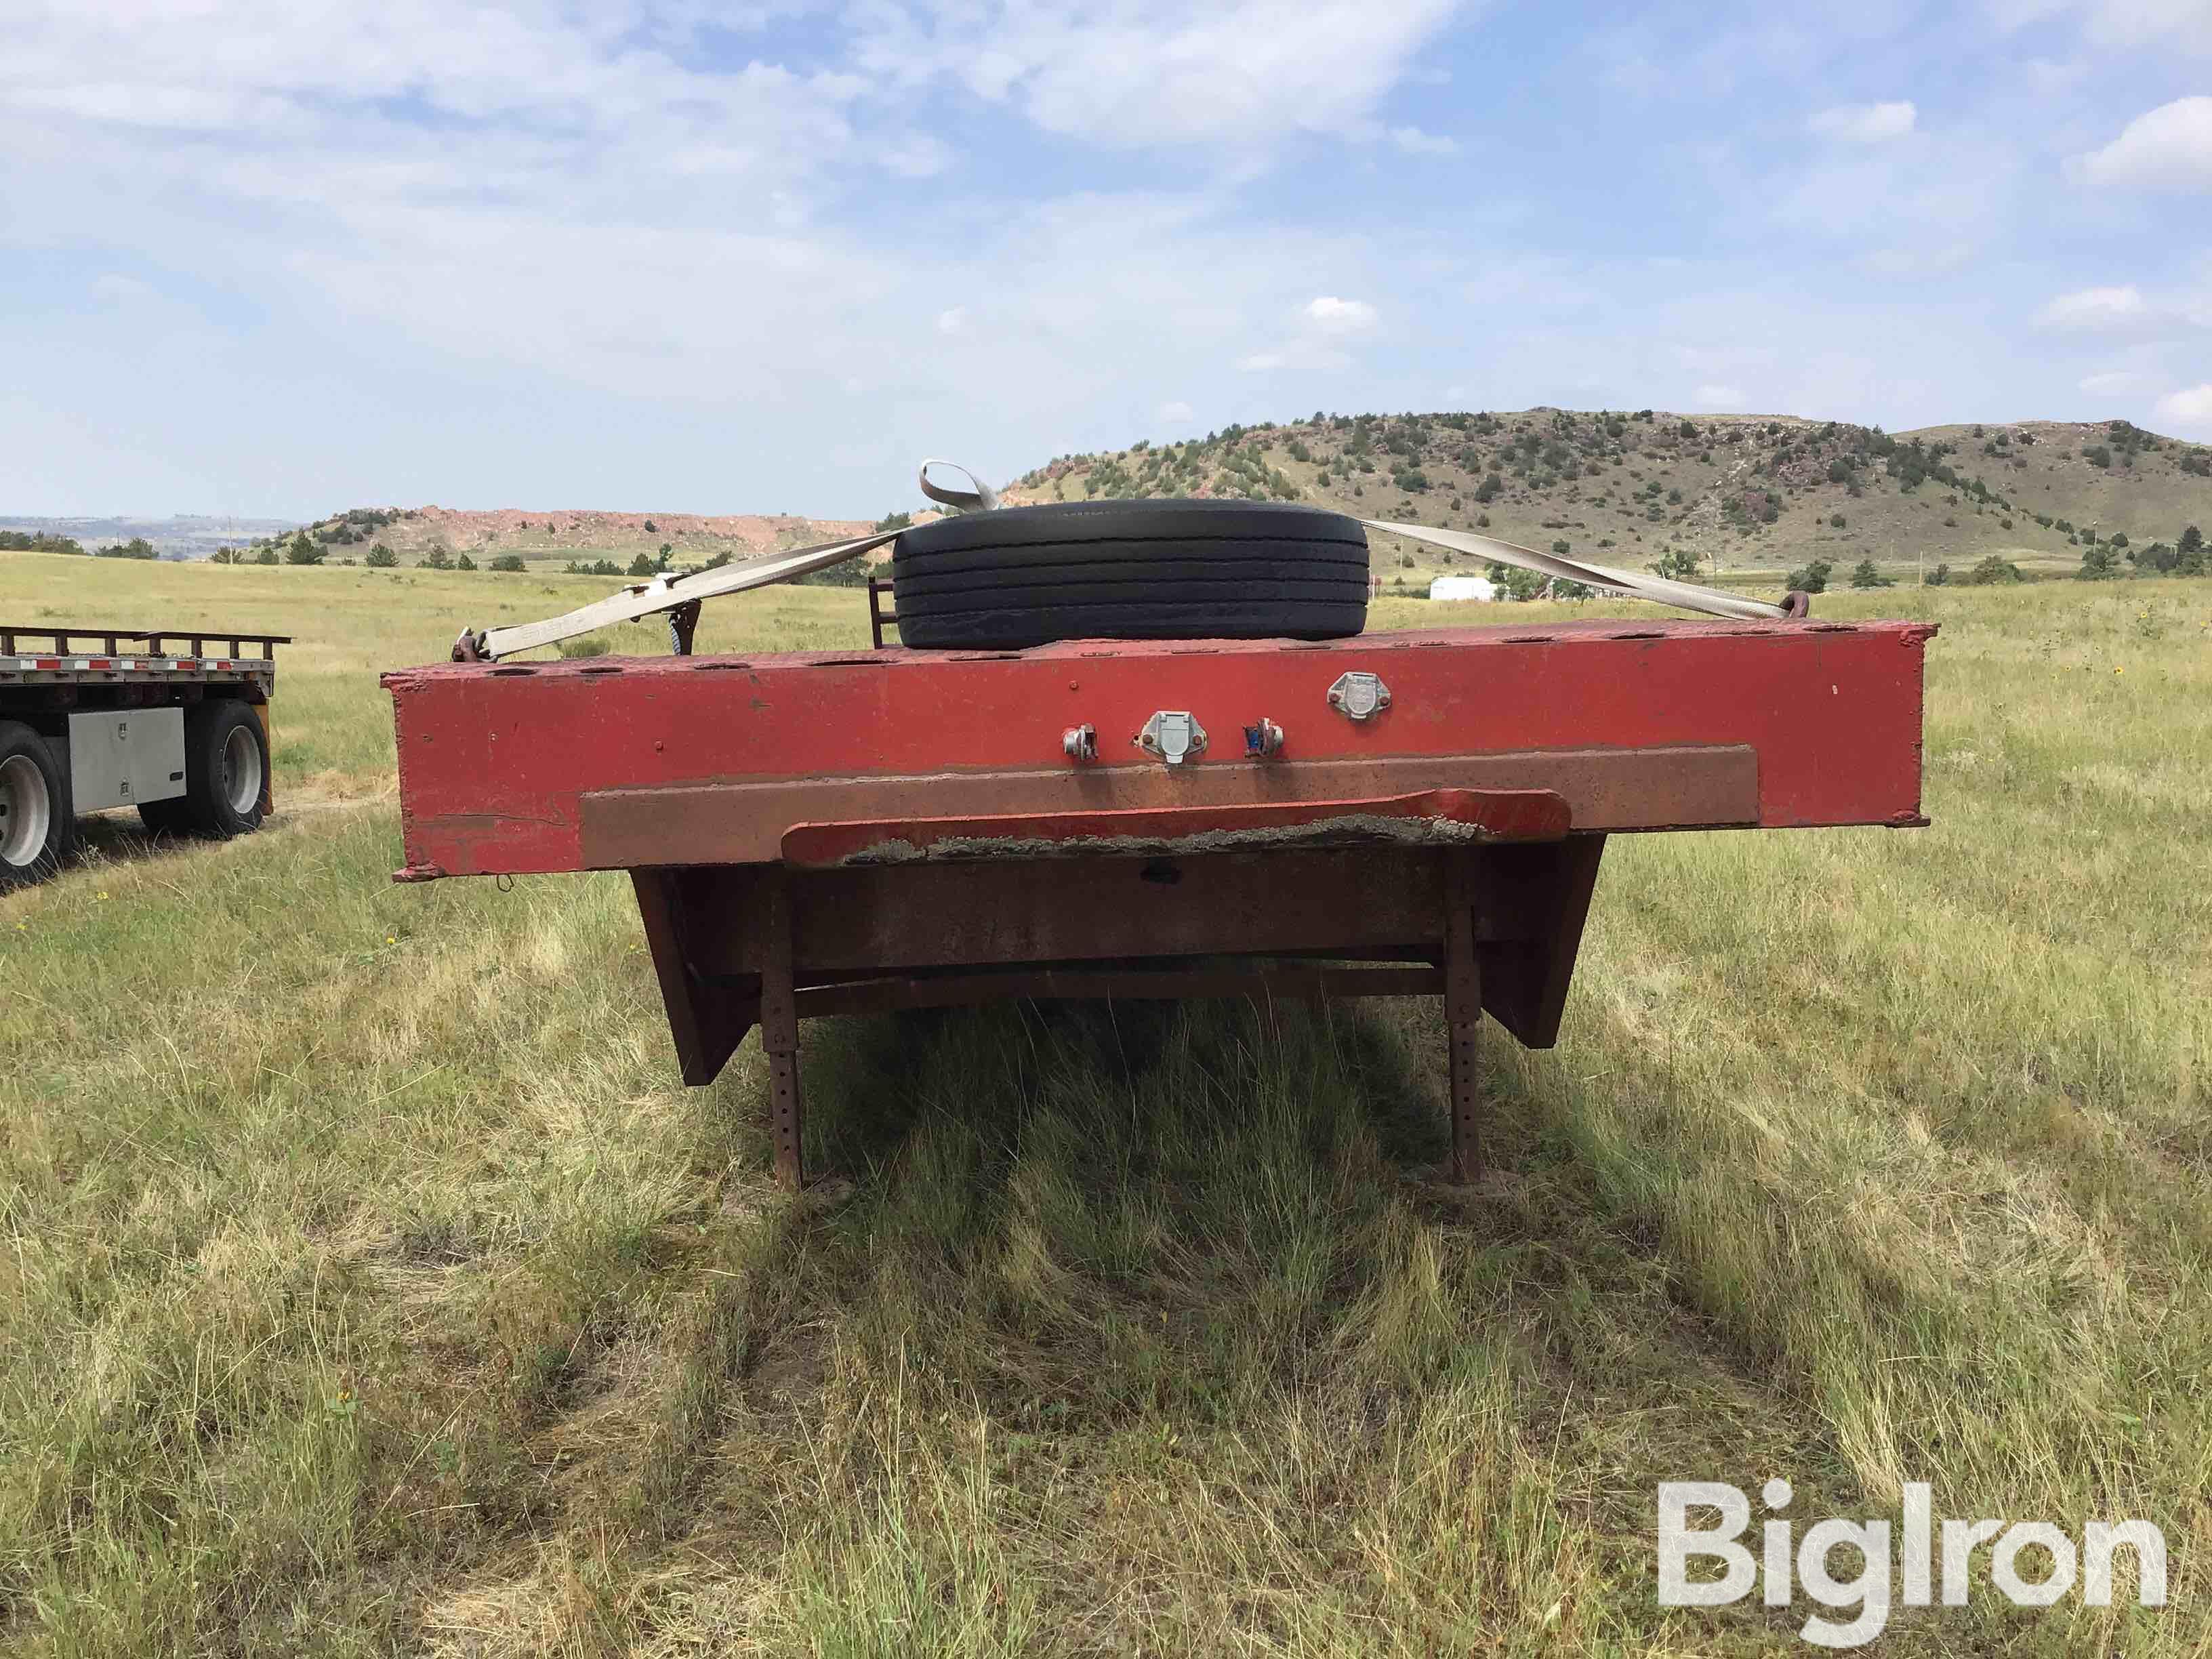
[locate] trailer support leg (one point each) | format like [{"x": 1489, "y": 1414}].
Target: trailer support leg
[
  {"x": 1462, "y": 1015},
  {"x": 779, "y": 1017}
]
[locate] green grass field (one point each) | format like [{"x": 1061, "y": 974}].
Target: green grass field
[{"x": 370, "y": 1284}]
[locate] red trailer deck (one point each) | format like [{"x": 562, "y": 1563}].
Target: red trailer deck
[{"x": 1395, "y": 813}]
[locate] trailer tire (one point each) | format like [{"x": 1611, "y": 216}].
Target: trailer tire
[
  {"x": 1130, "y": 570},
  {"x": 226, "y": 775},
  {"x": 37, "y": 829}
]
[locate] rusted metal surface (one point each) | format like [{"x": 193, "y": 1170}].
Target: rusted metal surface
[
  {"x": 748, "y": 822},
  {"x": 1382, "y": 905},
  {"x": 1291, "y": 982},
  {"x": 779, "y": 1023},
  {"x": 977, "y": 914},
  {"x": 1530, "y": 906},
  {"x": 1463, "y": 1014},
  {"x": 1494, "y": 925},
  {"x": 1442, "y": 817},
  {"x": 706, "y": 1028},
  {"x": 496, "y": 761},
  {"x": 814, "y": 833}
]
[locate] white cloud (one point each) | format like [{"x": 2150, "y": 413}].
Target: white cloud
[
  {"x": 1174, "y": 413},
  {"x": 114, "y": 287},
  {"x": 917, "y": 155},
  {"x": 1260, "y": 363},
  {"x": 2191, "y": 409},
  {"x": 1935, "y": 261},
  {"x": 1137, "y": 74},
  {"x": 2097, "y": 308},
  {"x": 1414, "y": 141},
  {"x": 2167, "y": 149},
  {"x": 1864, "y": 124},
  {"x": 954, "y": 321},
  {"x": 2117, "y": 383},
  {"x": 1330, "y": 315},
  {"x": 1721, "y": 397},
  {"x": 2119, "y": 23}
]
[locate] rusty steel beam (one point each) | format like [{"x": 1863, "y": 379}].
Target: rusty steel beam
[
  {"x": 751, "y": 823},
  {"x": 717, "y": 929},
  {"x": 1435, "y": 817},
  {"x": 705, "y": 1021},
  {"x": 616, "y": 763},
  {"x": 1305, "y": 982}
]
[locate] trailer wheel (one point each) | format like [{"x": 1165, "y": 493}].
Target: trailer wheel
[
  {"x": 226, "y": 773},
  {"x": 1131, "y": 570},
  {"x": 36, "y": 827}
]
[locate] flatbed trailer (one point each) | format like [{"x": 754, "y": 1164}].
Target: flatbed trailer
[
  {"x": 173, "y": 721},
  {"x": 1414, "y": 814}
]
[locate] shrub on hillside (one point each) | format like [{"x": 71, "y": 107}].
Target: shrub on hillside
[
  {"x": 438, "y": 558},
  {"x": 1939, "y": 576},
  {"x": 266, "y": 555},
  {"x": 1863, "y": 574},
  {"x": 26, "y": 541},
  {"x": 508, "y": 561},
  {"x": 1991, "y": 571},
  {"x": 1811, "y": 579},
  {"x": 2099, "y": 564},
  {"x": 380, "y": 557},
  {"x": 139, "y": 548},
  {"x": 301, "y": 550}
]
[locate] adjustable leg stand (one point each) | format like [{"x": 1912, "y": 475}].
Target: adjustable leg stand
[
  {"x": 1463, "y": 1014},
  {"x": 778, "y": 1020}
]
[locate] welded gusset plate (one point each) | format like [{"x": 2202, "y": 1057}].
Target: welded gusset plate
[{"x": 1431, "y": 818}]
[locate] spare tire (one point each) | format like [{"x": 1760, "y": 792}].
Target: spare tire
[{"x": 1130, "y": 570}]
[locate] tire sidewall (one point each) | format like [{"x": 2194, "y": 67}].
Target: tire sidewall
[
  {"x": 16, "y": 738},
  {"x": 1159, "y": 569},
  {"x": 214, "y": 722}
]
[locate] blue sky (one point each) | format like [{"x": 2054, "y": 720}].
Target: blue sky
[{"x": 286, "y": 256}]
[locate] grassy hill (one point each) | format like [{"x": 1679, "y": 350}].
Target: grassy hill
[
  {"x": 1750, "y": 496},
  {"x": 561, "y": 538}
]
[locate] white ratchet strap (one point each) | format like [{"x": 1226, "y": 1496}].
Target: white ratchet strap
[
  {"x": 671, "y": 593},
  {"x": 1684, "y": 596},
  {"x": 666, "y": 594},
  {"x": 982, "y": 499}
]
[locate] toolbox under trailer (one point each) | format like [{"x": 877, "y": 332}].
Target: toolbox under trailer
[
  {"x": 174, "y": 722},
  {"x": 1391, "y": 814}
]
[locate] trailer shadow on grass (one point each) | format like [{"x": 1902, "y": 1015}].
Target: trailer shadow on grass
[
  {"x": 122, "y": 838},
  {"x": 1150, "y": 1327}
]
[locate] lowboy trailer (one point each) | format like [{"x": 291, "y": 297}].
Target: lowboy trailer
[
  {"x": 1388, "y": 814},
  {"x": 174, "y": 722}
]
